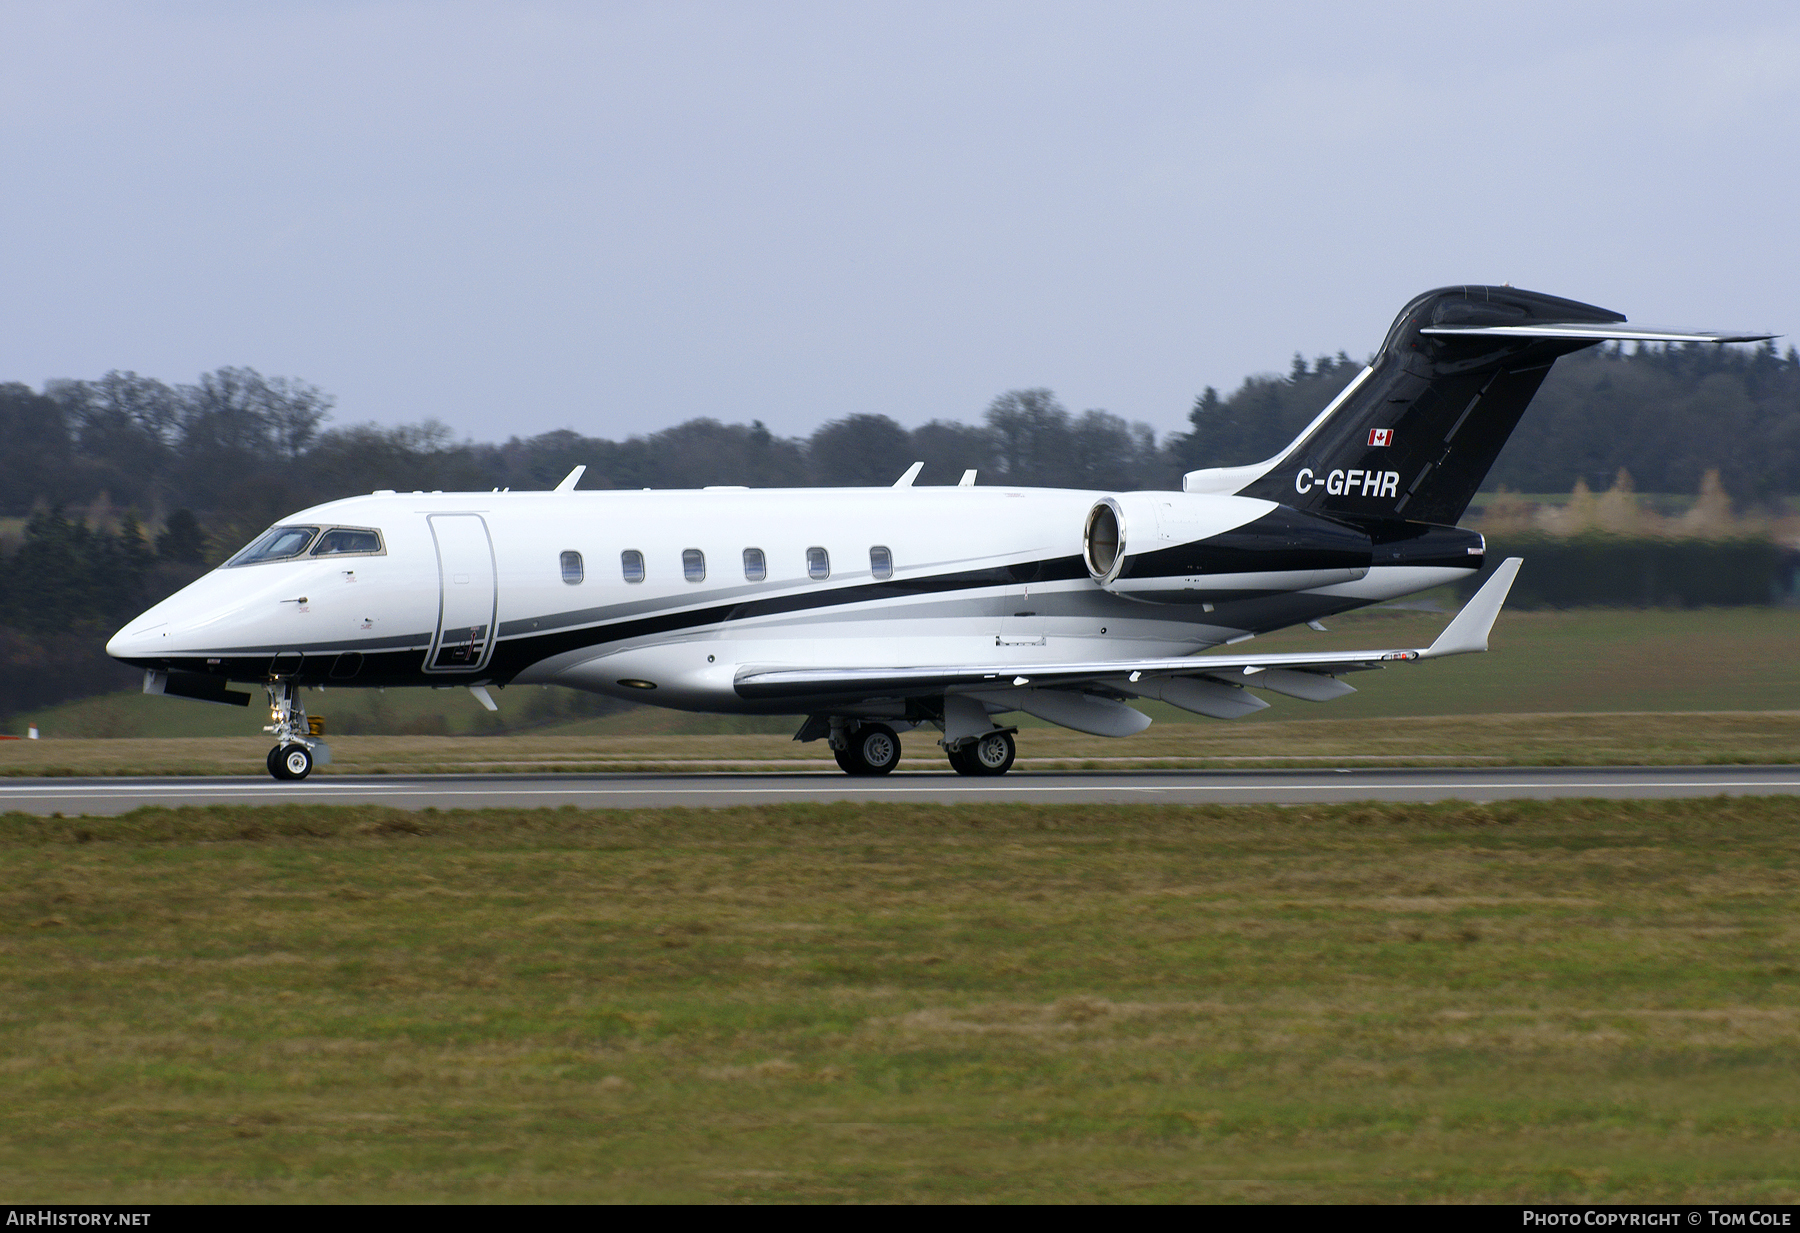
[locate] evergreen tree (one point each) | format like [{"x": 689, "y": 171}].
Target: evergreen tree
[{"x": 182, "y": 540}]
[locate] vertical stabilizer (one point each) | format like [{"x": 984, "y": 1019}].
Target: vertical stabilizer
[{"x": 1415, "y": 434}]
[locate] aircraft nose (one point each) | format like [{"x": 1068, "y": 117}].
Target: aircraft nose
[{"x": 135, "y": 641}]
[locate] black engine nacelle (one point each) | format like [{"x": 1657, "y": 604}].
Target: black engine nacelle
[{"x": 1172, "y": 547}]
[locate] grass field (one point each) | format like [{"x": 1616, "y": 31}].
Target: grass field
[
  {"x": 1589, "y": 687},
  {"x": 1723, "y": 659},
  {"x": 1721, "y": 737},
  {"x": 1569, "y": 1001}
]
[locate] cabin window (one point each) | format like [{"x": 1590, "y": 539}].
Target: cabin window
[
  {"x": 631, "y": 561},
  {"x": 342, "y": 540},
  {"x": 571, "y": 568},
  {"x": 818, "y": 564},
  {"x": 278, "y": 544},
  {"x": 881, "y": 563},
  {"x": 693, "y": 565},
  {"x": 755, "y": 567}
]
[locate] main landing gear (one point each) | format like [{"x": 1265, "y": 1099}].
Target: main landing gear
[
  {"x": 871, "y": 749},
  {"x": 992, "y": 754},
  {"x": 865, "y": 747},
  {"x": 296, "y": 749}
]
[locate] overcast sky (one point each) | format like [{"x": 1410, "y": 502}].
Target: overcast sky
[{"x": 613, "y": 217}]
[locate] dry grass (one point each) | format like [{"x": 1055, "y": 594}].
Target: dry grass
[
  {"x": 1574, "y": 1001},
  {"x": 1757, "y": 737}
]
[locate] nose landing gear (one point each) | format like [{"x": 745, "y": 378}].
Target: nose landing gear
[
  {"x": 290, "y": 762},
  {"x": 296, "y": 749}
]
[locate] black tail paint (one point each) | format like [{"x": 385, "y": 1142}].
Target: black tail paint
[{"x": 1416, "y": 435}]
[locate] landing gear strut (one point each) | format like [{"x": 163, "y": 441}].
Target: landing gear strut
[{"x": 292, "y": 757}]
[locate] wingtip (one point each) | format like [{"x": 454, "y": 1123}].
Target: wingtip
[{"x": 1468, "y": 633}]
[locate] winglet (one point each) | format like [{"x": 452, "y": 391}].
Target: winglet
[
  {"x": 1469, "y": 631},
  {"x": 912, "y": 473},
  {"x": 571, "y": 479}
]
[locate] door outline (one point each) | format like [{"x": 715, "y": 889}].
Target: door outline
[
  {"x": 478, "y": 662},
  {"x": 1020, "y": 622}
]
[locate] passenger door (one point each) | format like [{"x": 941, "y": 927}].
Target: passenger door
[{"x": 467, "y": 594}]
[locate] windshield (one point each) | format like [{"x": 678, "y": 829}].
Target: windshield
[
  {"x": 340, "y": 540},
  {"x": 276, "y": 545}
]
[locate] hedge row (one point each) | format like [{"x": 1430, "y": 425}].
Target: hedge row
[{"x": 1612, "y": 571}]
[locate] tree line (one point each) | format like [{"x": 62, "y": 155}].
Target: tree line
[{"x": 238, "y": 448}]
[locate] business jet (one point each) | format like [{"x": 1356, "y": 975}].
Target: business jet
[{"x": 877, "y": 611}]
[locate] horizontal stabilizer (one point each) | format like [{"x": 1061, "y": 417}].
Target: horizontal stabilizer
[{"x": 1606, "y": 332}]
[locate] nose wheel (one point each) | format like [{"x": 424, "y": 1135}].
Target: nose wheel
[{"x": 290, "y": 762}]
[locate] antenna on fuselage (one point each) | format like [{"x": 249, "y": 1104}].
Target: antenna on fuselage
[
  {"x": 912, "y": 473},
  {"x": 571, "y": 479}
]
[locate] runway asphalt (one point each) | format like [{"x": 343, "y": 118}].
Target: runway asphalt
[{"x": 72, "y": 797}]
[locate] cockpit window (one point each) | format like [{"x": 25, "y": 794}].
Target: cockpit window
[
  {"x": 341, "y": 540},
  {"x": 276, "y": 545}
]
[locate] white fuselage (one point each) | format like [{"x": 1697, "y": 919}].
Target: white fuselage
[{"x": 978, "y": 574}]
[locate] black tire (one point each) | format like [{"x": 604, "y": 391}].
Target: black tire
[
  {"x": 846, "y": 761},
  {"x": 296, "y": 762},
  {"x": 960, "y": 761},
  {"x": 273, "y": 762},
  {"x": 876, "y": 748},
  {"x": 992, "y": 754}
]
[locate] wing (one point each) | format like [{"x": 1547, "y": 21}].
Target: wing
[{"x": 1467, "y": 633}]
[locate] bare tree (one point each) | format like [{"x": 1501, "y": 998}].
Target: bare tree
[
  {"x": 241, "y": 411},
  {"x": 859, "y": 450},
  {"x": 1030, "y": 430}
]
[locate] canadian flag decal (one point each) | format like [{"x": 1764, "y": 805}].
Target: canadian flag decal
[{"x": 1381, "y": 436}]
